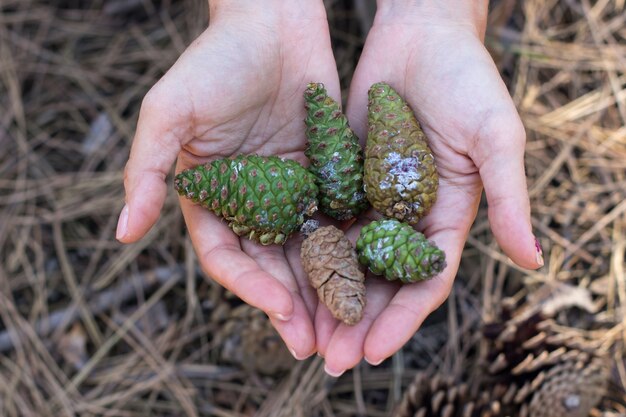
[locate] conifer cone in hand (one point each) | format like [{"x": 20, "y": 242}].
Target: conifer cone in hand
[
  {"x": 330, "y": 262},
  {"x": 262, "y": 198},
  {"x": 397, "y": 251},
  {"x": 335, "y": 154},
  {"x": 401, "y": 179}
]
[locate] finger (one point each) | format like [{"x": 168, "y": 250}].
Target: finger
[
  {"x": 447, "y": 225},
  {"x": 297, "y": 332},
  {"x": 345, "y": 348},
  {"x": 308, "y": 294},
  {"x": 325, "y": 325},
  {"x": 154, "y": 150},
  {"x": 221, "y": 257},
  {"x": 342, "y": 345},
  {"x": 500, "y": 159},
  {"x": 365, "y": 74}
]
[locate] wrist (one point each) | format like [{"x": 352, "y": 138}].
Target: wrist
[
  {"x": 272, "y": 9},
  {"x": 468, "y": 13}
]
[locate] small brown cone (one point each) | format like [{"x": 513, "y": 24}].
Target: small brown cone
[{"x": 331, "y": 264}]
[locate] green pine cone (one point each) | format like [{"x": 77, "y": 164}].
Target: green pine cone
[
  {"x": 262, "y": 198},
  {"x": 400, "y": 178},
  {"x": 395, "y": 250},
  {"x": 335, "y": 154}
]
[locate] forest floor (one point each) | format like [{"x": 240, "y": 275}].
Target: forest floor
[{"x": 91, "y": 327}]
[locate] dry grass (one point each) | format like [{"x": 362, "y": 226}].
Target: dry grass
[{"x": 74, "y": 304}]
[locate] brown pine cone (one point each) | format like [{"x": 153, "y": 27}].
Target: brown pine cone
[
  {"x": 546, "y": 370},
  {"x": 248, "y": 339},
  {"x": 620, "y": 411},
  {"x": 331, "y": 264},
  {"x": 432, "y": 395},
  {"x": 569, "y": 389},
  {"x": 531, "y": 367}
]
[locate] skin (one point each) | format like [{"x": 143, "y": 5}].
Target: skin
[
  {"x": 234, "y": 91},
  {"x": 478, "y": 140}
]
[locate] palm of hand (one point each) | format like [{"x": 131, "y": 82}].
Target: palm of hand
[
  {"x": 241, "y": 93},
  {"x": 464, "y": 109},
  {"x": 269, "y": 123}
]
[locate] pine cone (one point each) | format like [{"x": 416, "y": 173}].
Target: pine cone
[
  {"x": 612, "y": 413},
  {"x": 263, "y": 198},
  {"x": 330, "y": 262},
  {"x": 571, "y": 389},
  {"x": 335, "y": 154},
  {"x": 432, "y": 395},
  {"x": 400, "y": 176},
  {"x": 545, "y": 370},
  {"x": 614, "y": 402},
  {"x": 397, "y": 251},
  {"x": 248, "y": 339},
  {"x": 532, "y": 367}
]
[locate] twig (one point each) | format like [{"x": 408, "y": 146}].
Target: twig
[{"x": 100, "y": 302}]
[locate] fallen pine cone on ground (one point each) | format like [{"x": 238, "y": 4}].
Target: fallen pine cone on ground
[
  {"x": 247, "y": 339},
  {"x": 543, "y": 369},
  {"x": 431, "y": 394},
  {"x": 530, "y": 366},
  {"x": 330, "y": 262}
]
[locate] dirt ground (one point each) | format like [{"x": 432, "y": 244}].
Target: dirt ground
[{"x": 91, "y": 327}]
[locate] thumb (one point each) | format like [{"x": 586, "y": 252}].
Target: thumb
[
  {"x": 155, "y": 148},
  {"x": 500, "y": 158}
]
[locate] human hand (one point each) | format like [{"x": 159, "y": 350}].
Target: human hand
[
  {"x": 237, "y": 89},
  {"x": 432, "y": 54}
]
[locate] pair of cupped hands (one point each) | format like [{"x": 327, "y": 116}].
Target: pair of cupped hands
[{"x": 238, "y": 89}]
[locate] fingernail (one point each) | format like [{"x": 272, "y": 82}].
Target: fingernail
[
  {"x": 299, "y": 357},
  {"x": 122, "y": 224},
  {"x": 538, "y": 252},
  {"x": 293, "y": 353},
  {"x": 334, "y": 374},
  {"x": 279, "y": 316},
  {"x": 374, "y": 363}
]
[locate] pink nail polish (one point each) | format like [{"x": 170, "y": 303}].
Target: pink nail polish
[
  {"x": 538, "y": 252},
  {"x": 122, "y": 224}
]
